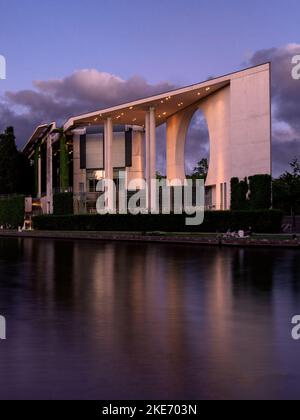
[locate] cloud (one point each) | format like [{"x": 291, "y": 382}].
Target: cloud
[
  {"x": 89, "y": 90},
  {"x": 286, "y": 100},
  {"x": 57, "y": 100}
]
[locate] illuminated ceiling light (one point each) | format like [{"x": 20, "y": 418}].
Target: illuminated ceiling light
[
  {"x": 96, "y": 119},
  {"x": 164, "y": 113},
  {"x": 159, "y": 116},
  {"x": 134, "y": 120},
  {"x": 122, "y": 114},
  {"x": 161, "y": 102},
  {"x": 207, "y": 89},
  {"x": 199, "y": 93},
  {"x": 131, "y": 108}
]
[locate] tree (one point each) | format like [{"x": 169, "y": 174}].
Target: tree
[
  {"x": 159, "y": 176},
  {"x": 239, "y": 194},
  {"x": 8, "y": 162},
  {"x": 286, "y": 190},
  {"x": 260, "y": 187},
  {"x": 15, "y": 170},
  {"x": 201, "y": 170}
]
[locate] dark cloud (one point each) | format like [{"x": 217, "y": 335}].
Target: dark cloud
[
  {"x": 89, "y": 90},
  {"x": 286, "y": 100},
  {"x": 57, "y": 100}
]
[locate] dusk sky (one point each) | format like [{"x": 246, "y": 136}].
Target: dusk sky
[{"x": 66, "y": 57}]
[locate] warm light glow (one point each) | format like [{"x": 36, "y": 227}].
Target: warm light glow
[
  {"x": 131, "y": 107},
  {"x": 207, "y": 89},
  {"x": 99, "y": 175}
]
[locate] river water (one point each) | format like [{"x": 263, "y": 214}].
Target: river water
[{"x": 91, "y": 320}]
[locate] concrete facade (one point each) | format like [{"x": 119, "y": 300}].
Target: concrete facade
[{"x": 239, "y": 123}]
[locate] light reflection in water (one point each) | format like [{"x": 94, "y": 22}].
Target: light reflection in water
[{"x": 136, "y": 321}]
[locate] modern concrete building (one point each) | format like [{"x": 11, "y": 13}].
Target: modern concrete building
[{"x": 237, "y": 108}]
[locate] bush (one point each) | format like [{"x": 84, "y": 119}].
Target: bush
[
  {"x": 12, "y": 212},
  {"x": 268, "y": 221},
  {"x": 253, "y": 193},
  {"x": 63, "y": 204},
  {"x": 260, "y": 187},
  {"x": 239, "y": 191}
]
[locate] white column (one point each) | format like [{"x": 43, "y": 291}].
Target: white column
[
  {"x": 153, "y": 156},
  {"x": 152, "y": 143},
  {"x": 108, "y": 132},
  {"x": 39, "y": 176},
  {"x": 108, "y": 150},
  {"x": 49, "y": 174},
  {"x": 150, "y": 126},
  {"x": 148, "y": 161}
]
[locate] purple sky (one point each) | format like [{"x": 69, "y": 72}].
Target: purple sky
[{"x": 65, "y": 57}]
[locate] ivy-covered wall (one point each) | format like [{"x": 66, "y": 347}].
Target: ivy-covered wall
[
  {"x": 64, "y": 164},
  {"x": 36, "y": 169}
]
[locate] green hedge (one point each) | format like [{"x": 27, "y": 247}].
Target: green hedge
[
  {"x": 253, "y": 193},
  {"x": 239, "y": 191},
  {"x": 63, "y": 204},
  {"x": 12, "y": 212},
  {"x": 268, "y": 221},
  {"x": 260, "y": 187}
]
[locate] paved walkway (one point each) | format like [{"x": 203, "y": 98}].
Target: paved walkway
[{"x": 210, "y": 240}]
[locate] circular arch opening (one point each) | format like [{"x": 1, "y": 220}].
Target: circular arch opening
[{"x": 197, "y": 145}]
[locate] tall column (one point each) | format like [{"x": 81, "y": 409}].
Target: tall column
[
  {"x": 49, "y": 174},
  {"x": 40, "y": 176},
  {"x": 108, "y": 150},
  {"x": 148, "y": 162},
  {"x": 152, "y": 143},
  {"x": 108, "y": 132},
  {"x": 153, "y": 155},
  {"x": 150, "y": 126}
]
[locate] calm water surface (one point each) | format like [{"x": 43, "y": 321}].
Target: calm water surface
[{"x": 89, "y": 320}]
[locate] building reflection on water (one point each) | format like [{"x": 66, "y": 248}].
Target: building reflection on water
[{"x": 117, "y": 320}]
